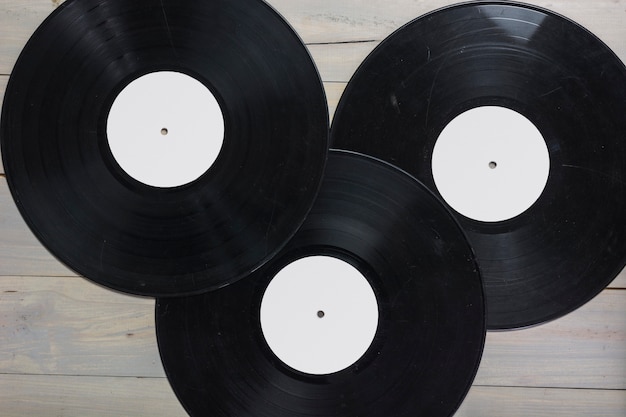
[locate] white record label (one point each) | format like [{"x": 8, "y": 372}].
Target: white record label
[
  {"x": 490, "y": 163},
  {"x": 165, "y": 129},
  {"x": 319, "y": 315}
]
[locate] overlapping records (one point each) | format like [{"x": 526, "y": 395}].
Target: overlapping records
[
  {"x": 180, "y": 150},
  {"x": 431, "y": 324},
  {"x": 569, "y": 240}
]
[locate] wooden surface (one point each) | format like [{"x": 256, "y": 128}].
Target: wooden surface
[{"x": 71, "y": 348}]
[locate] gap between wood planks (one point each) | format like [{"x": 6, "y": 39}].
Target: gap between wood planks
[
  {"x": 165, "y": 377},
  {"x": 550, "y": 388},
  {"x": 342, "y": 42}
]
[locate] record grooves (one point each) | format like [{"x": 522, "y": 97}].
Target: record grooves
[
  {"x": 118, "y": 231},
  {"x": 431, "y": 325},
  {"x": 571, "y": 242}
]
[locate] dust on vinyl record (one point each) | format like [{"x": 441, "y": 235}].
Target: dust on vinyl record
[
  {"x": 153, "y": 238},
  {"x": 569, "y": 242},
  {"x": 431, "y": 318}
]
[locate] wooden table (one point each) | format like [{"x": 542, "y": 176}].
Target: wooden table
[{"x": 71, "y": 348}]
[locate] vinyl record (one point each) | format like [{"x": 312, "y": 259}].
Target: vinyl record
[
  {"x": 112, "y": 99},
  {"x": 515, "y": 117},
  {"x": 429, "y": 336}
]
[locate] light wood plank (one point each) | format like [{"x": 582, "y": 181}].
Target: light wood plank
[
  {"x": 324, "y": 21},
  {"x": 67, "y": 325},
  {"x": 72, "y": 396},
  {"x": 338, "y": 62},
  {"x": 56, "y": 325},
  {"x": 70, "y": 326},
  {"x": 4, "y": 79},
  {"x": 18, "y": 20},
  {"x": 584, "y": 349},
  {"x": 333, "y": 94},
  {"x": 535, "y": 402},
  {"x": 619, "y": 281},
  {"x": 20, "y": 252}
]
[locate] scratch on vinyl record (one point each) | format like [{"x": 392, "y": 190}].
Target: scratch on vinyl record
[{"x": 546, "y": 217}]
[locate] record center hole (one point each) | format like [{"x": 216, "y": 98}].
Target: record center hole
[
  {"x": 320, "y": 314},
  {"x": 493, "y": 165},
  {"x": 164, "y": 131}
]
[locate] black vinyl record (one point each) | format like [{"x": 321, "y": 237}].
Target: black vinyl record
[
  {"x": 151, "y": 240},
  {"x": 431, "y": 322},
  {"x": 569, "y": 244}
]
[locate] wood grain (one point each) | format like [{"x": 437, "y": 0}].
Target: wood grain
[
  {"x": 69, "y": 347},
  {"x": 331, "y": 21},
  {"x": 536, "y": 402},
  {"x": 70, "y": 326},
  {"x": 20, "y": 252},
  {"x": 584, "y": 349},
  {"x": 72, "y": 396},
  {"x": 80, "y": 396},
  {"x": 323, "y": 21},
  {"x": 337, "y": 62},
  {"x": 619, "y": 281},
  {"x": 4, "y": 79},
  {"x": 333, "y": 94}
]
